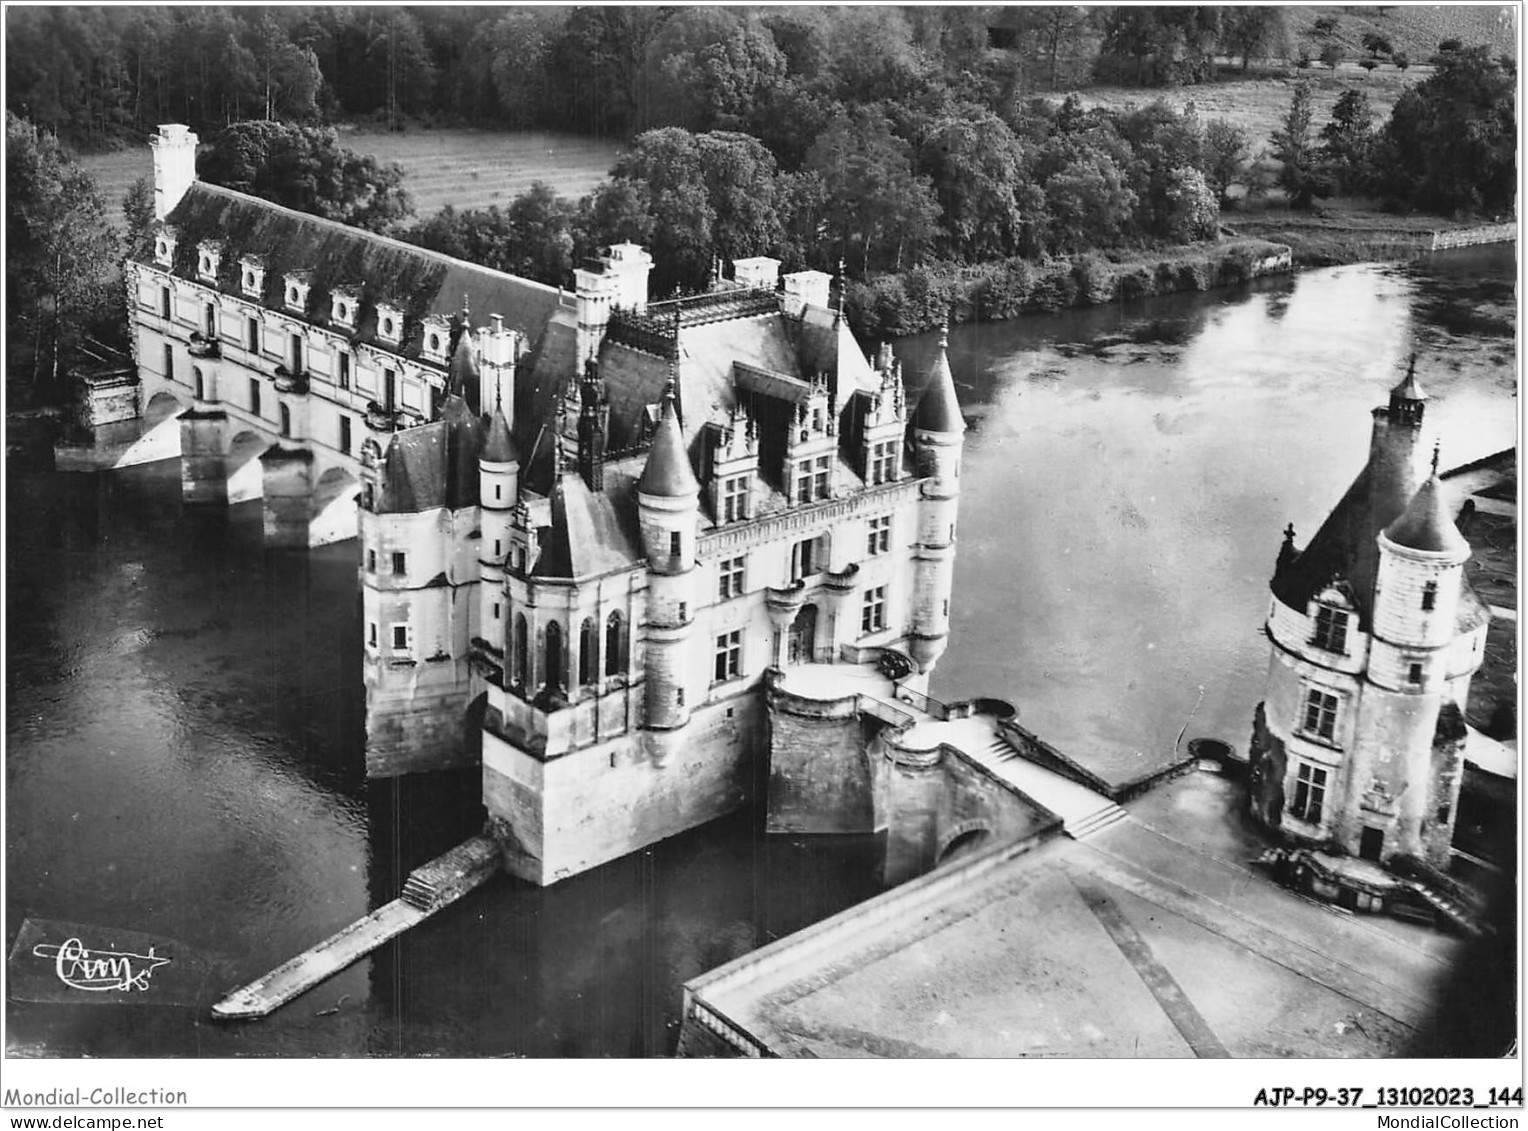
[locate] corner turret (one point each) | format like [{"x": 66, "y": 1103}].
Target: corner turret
[
  {"x": 938, "y": 438},
  {"x": 668, "y": 503}
]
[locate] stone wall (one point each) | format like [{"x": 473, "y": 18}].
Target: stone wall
[
  {"x": 1470, "y": 237},
  {"x": 821, "y": 776},
  {"x": 416, "y": 718}
]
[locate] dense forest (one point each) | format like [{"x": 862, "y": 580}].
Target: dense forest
[{"x": 906, "y": 144}]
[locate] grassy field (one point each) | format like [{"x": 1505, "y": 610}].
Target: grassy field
[
  {"x": 1416, "y": 29},
  {"x": 1258, "y": 105},
  {"x": 465, "y": 168}
]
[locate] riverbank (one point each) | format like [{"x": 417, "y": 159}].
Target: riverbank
[
  {"x": 912, "y": 302},
  {"x": 1347, "y": 231}
]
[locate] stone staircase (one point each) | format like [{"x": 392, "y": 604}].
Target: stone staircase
[
  {"x": 420, "y": 892},
  {"x": 1082, "y": 811}
]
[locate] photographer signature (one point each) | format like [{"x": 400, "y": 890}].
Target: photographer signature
[{"x": 99, "y": 971}]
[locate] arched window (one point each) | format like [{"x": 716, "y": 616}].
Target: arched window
[
  {"x": 588, "y": 652},
  {"x": 201, "y": 387},
  {"x": 286, "y": 421},
  {"x": 517, "y": 672},
  {"x": 554, "y": 657},
  {"x": 615, "y": 645}
]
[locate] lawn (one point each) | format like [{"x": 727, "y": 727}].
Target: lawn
[
  {"x": 464, "y": 168},
  {"x": 1258, "y": 105}
]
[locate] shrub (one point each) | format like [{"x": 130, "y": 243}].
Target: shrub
[
  {"x": 1095, "y": 279},
  {"x": 1137, "y": 282}
]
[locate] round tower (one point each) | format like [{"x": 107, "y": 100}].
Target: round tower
[
  {"x": 498, "y": 491},
  {"x": 938, "y": 437},
  {"x": 668, "y": 506}
]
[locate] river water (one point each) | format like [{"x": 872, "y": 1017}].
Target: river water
[{"x": 184, "y": 737}]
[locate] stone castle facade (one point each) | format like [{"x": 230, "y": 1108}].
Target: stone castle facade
[
  {"x": 589, "y": 525},
  {"x": 1375, "y": 632}
]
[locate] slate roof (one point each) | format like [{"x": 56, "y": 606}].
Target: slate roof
[
  {"x": 668, "y": 473},
  {"x": 432, "y": 465},
  {"x": 418, "y": 281},
  {"x": 1426, "y": 524},
  {"x": 938, "y": 408}
]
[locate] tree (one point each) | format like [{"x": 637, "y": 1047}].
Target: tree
[
  {"x": 1376, "y": 44},
  {"x": 1194, "y": 211},
  {"x": 519, "y": 43},
  {"x": 1331, "y": 54},
  {"x": 1225, "y": 156},
  {"x": 877, "y": 210},
  {"x": 1450, "y": 144},
  {"x": 288, "y": 76},
  {"x": 303, "y": 167},
  {"x": 58, "y": 250},
  {"x": 976, "y": 165},
  {"x": 1254, "y": 32},
  {"x": 1302, "y": 175},
  {"x": 1089, "y": 203},
  {"x": 1347, "y": 141},
  {"x": 138, "y": 210},
  {"x": 1401, "y": 60}
]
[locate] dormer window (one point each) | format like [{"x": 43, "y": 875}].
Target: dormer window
[
  {"x": 297, "y": 284},
  {"x": 343, "y": 305},
  {"x": 1331, "y": 629},
  {"x": 252, "y": 276},
  {"x": 389, "y": 323},
  {"x": 209, "y": 259},
  {"x": 437, "y": 337},
  {"x": 164, "y": 246}
]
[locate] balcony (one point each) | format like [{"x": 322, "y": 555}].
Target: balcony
[
  {"x": 203, "y": 346},
  {"x": 288, "y": 381},
  {"x": 380, "y": 419}
]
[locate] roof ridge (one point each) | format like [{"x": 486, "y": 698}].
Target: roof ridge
[{"x": 401, "y": 245}]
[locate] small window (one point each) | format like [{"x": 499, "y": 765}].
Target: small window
[
  {"x": 495, "y": 610},
  {"x": 400, "y": 636},
  {"x": 809, "y": 557},
  {"x": 252, "y": 334},
  {"x": 1414, "y": 673},
  {"x": 873, "y": 614},
  {"x": 345, "y": 434},
  {"x": 400, "y": 562},
  {"x": 675, "y": 544},
  {"x": 1429, "y": 596},
  {"x": 1331, "y": 629},
  {"x": 1310, "y": 794},
  {"x": 389, "y": 389},
  {"x": 1441, "y": 817},
  {"x": 371, "y": 561},
  {"x": 735, "y": 498},
  {"x": 679, "y": 697},
  {"x": 200, "y": 382},
  {"x": 883, "y": 462},
  {"x": 729, "y": 582},
  {"x": 286, "y": 421},
  {"x": 1320, "y": 715},
  {"x": 344, "y": 369},
  {"x": 371, "y": 635},
  {"x": 496, "y": 550},
  {"x": 684, "y": 612},
  {"x": 434, "y": 346},
  {"x": 615, "y": 645},
  {"x": 498, "y": 491},
  {"x": 879, "y": 540},
  {"x": 169, "y": 361},
  {"x": 210, "y": 320},
  {"x": 729, "y": 656},
  {"x": 254, "y": 396},
  {"x": 164, "y": 302}
]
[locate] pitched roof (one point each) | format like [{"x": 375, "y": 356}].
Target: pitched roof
[
  {"x": 668, "y": 473},
  {"x": 432, "y": 465},
  {"x": 499, "y": 445},
  {"x": 418, "y": 281},
  {"x": 1426, "y": 524},
  {"x": 939, "y": 408}
]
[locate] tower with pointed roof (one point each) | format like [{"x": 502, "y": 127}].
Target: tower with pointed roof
[
  {"x": 1375, "y": 633},
  {"x": 938, "y": 439}
]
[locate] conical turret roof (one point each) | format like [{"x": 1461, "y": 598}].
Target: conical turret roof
[
  {"x": 462, "y": 373},
  {"x": 1426, "y": 523},
  {"x": 939, "y": 410},
  {"x": 668, "y": 473},
  {"x": 499, "y": 445}
]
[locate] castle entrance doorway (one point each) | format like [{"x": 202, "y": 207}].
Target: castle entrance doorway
[{"x": 803, "y": 636}]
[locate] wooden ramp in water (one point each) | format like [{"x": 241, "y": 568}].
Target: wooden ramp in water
[{"x": 428, "y": 888}]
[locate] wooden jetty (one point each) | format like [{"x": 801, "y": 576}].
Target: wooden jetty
[{"x": 428, "y": 888}]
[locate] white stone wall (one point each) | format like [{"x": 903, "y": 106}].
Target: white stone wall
[
  {"x": 1398, "y": 613},
  {"x": 1293, "y": 630}
]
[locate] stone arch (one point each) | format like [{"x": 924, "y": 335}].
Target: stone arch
[
  {"x": 963, "y": 839},
  {"x": 588, "y": 653},
  {"x": 333, "y": 484},
  {"x": 520, "y": 652},
  {"x": 555, "y": 660},
  {"x": 162, "y": 405},
  {"x": 615, "y": 644}
]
